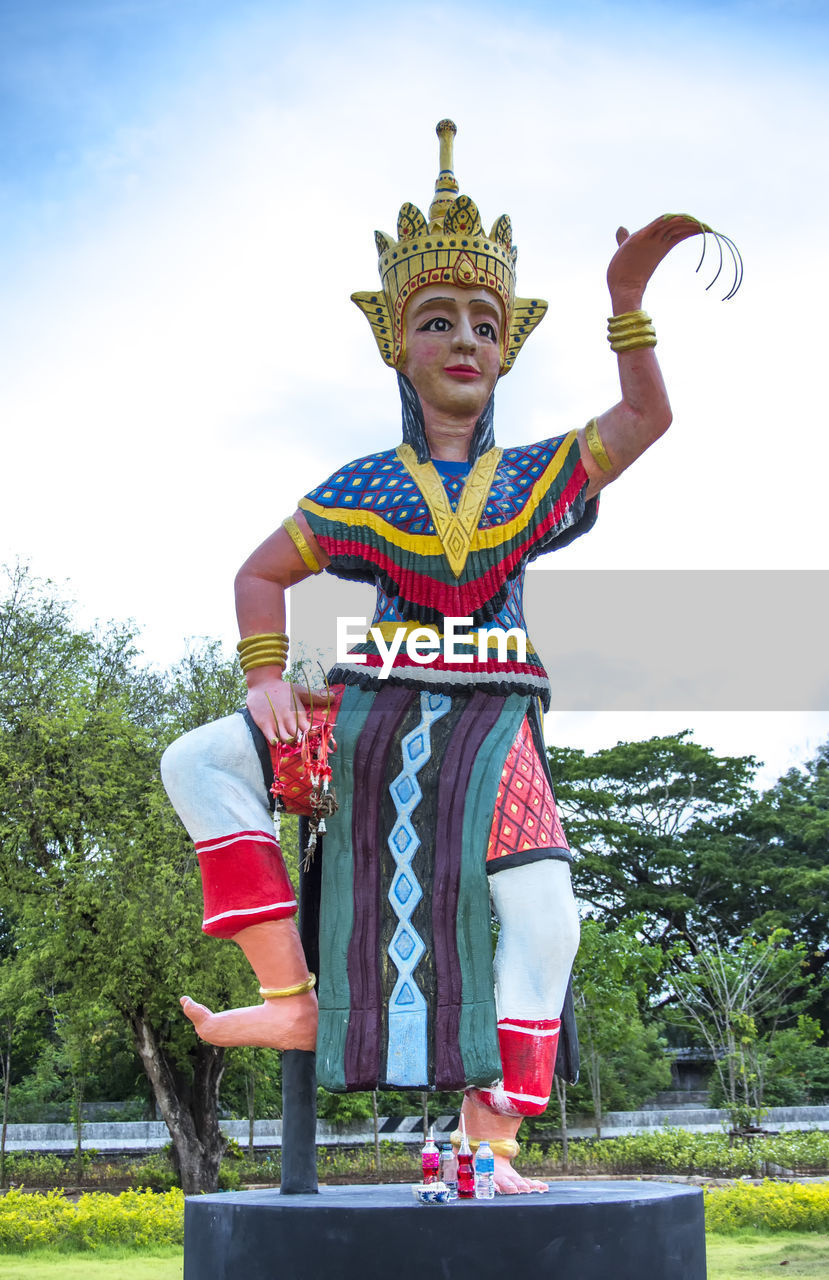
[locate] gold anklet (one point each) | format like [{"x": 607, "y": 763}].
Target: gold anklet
[
  {"x": 277, "y": 993},
  {"x": 506, "y": 1147}
]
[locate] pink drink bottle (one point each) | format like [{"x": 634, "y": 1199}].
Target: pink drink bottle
[{"x": 430, "y": 1160}]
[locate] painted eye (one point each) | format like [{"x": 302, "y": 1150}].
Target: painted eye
[
  {"x": 437, "y": 325},
  {"x": 487, "y": 330}
]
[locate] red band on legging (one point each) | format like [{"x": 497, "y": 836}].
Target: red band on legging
[
  {"x": 245, "y": 882},
  {"x": 528, "y": 1056}
]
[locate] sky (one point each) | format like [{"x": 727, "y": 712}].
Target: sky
[{"x": 188, "y": 192}]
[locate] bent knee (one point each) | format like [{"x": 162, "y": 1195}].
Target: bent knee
[
  {"x": 553, "y": 927},
  {"x": 223, "y": 746},
  {"x": 183, "y": 762},
  {"x": 537, "y": 899}
]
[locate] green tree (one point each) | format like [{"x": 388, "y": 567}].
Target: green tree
[
  {"x": 102, "y": 876},
  {"x": 737, "y": 998},
  {"x": 18, "y": 1011},
  {"x": 795, "y": 1065},
  {"x": 782, "y": 860},
  {"x": 645, "y": 820},
  {"x": 252, "y": 1086},
  {"x": 623, "y": 1053},
  {"x": 623, "y": 1056}
]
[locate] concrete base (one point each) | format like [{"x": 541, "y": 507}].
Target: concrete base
[{"x": 581, "y": 1230}]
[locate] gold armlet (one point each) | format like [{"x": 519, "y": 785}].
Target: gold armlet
[
  {"x": 630, "y": 331},
  {"x": 596, "y": 446},
  {"x": 279, "y": 993},
  {"x": 301, "y": 543}
]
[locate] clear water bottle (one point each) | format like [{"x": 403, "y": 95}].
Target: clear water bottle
[
  {"x": 449, "y": 1169},
  {"x": 484, "y": 1173}
]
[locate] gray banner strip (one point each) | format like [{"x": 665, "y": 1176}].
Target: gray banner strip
[{"x": 685, "y": 640}]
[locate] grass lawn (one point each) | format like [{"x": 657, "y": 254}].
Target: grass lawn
[
  {"x": 761, "y": 1254},
  {"x": 103, "y": 1264},
  {"x": 751, "y": 1253}
]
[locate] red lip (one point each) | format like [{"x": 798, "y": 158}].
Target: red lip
[{"x": 463, "y": 371}]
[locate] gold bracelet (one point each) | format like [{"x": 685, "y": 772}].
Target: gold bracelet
[
  {"x": 263, "y": 646},
  {"x": 630, "y": 331},
  {"x": 628, "y": 321},
  {"x": 274, "y": 660},
  {"x": 277, "y": 637},
  {"x": 279, "y": 993},
  {"x": 596, "y": 445},
  {"x": 268, "y": 650},
  {"x": 301, "y": 543}
]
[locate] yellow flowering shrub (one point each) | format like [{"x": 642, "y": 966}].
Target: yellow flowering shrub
[
  {"x": 771, "y": 1206},
  {"x": 134, "y": 1220}
]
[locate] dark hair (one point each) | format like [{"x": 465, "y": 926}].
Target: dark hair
[{"x": 414, "y": 430}]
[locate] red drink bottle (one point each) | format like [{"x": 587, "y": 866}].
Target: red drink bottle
[
  {"x": 430, "y": 1161},
  {"x": 466, "y": 1171}
]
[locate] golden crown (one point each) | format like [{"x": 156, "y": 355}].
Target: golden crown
[{"x": 448, "y": 247}]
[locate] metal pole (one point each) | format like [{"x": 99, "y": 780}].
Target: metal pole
[
  {"x": 299, "y": 1077},
  {"x": 299, "y": 1123}
]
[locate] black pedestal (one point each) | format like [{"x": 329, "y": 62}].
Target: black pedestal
[{"x": 580, "y": 1230}]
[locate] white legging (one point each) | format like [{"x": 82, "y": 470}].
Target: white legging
[
  {"x": 214, "y": 779},
  {"x": 538, "y": 938}
]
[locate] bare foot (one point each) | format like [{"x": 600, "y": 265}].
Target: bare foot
[
  {"x": 510, "y": 1183},
  {"x": 289, "y": 1022}
]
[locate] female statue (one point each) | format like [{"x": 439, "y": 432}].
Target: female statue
[{"x": 445, "y": 797}]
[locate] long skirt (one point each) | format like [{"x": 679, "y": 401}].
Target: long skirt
[{"x": 404, "y": 918}]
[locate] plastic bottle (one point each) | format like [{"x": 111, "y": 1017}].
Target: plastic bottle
[
  {"x": 466, "y": 1173},
  {"x": 484, "y": 1173},
  {"x": 430, "y": 1160},
  {"x": 449, "y": 1169}
]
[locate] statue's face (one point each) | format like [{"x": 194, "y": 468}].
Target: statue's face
[{"x": 453, "y": 348}]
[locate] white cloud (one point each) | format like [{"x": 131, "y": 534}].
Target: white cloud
[{"x": 183, "y": 360}]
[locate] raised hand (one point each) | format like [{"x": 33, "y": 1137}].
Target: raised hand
[{"x": 638, "y": 256}]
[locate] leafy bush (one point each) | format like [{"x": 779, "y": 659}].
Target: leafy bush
[
  {"x": 36, "y": 1168},
  {"x": 230, "y": 1177},
  {"x": 337, "y": 1162},
  {"x": 804, "y": 1151},
  {"x": 682, "y": 1151},
  {"x": 773, "y": 1206},
  {"x": 155, "y": 1171},
  {"x": 132, "y": 1220},
  {"x": 671, "y": 1151}
]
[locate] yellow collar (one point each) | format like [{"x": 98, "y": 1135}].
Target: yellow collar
[{"x": 455, "y": 529}]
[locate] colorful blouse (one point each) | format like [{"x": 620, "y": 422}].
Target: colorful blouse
[{"x": 451, "y": 547}]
